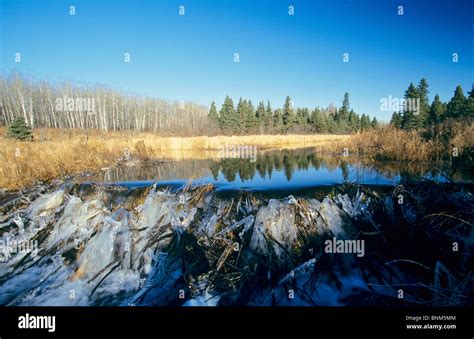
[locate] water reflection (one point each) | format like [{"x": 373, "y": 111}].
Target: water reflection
[
  {"x": 284, "y": 168},
  {"x": 351, "y": 168}
]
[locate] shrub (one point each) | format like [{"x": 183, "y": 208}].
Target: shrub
[{"x": 18, "y": 129}]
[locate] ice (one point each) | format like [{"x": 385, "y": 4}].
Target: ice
[
  {"x": 328, "y": 218},
  {"x": 78, "y": 221},
  {"x": 95, "y": 250},
  {"x": 108, "y": 246},
  {"x": 157, "y": 216},
  {"x": 277, "y": 220},
  {"x": 353, "y": 207},
  {"x": 46, "y": 203}
]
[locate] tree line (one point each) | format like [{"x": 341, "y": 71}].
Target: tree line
[
  {"x": 246, "y": 119},
  {"x": 459, "y": 107},
  {"x": 69, "y": 105},
  {"x": 41, "y": 104}
]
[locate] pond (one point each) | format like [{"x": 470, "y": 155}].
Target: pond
[
  {"x": 262, "y": 227},
  {"x": 281, "y": 170}
]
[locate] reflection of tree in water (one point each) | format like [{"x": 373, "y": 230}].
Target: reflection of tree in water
[
  {"x": 230, "y": 168},
  {"x": 289, "y": 161},
  {"x": 286, "y": 160},
  {"x": 215, "y": 167},
  {"x": 247, "y": 170},
  {"x": 262, "y": 169},
  {"x": 345, "y": 170}
]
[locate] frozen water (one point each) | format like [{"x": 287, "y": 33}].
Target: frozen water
[{"x": 94, "y": 252}]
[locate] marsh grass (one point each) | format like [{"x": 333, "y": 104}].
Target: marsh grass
[
  {"x": 55, "y": 152},
  {"x": 432, "y": 144}
]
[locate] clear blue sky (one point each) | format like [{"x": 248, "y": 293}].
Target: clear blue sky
[{"x": 190, "y": 57}]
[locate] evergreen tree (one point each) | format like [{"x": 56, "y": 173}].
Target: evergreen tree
[
  {"x": 250, "y": 118},
  {"x": 305, "y": 116},
  {"x": 268, "y": 116},
  {"x": 18, "y": 129},
  {"x": 241, "y": 113},
  {"x": 331, "y": 124},
  {"x": 299, "y": 116},
  {"x": 469, "y": 110},
  {"x": 260, "y": 116},
  {"x": 343, "y": 114},
  {"x": 302, "y": 116},
  {"x": 397, "y": 120},
  {"x": 354, "y": 121},
  {"x": 341, "y": 126},
  {"x": 365, "y": 122},
  {"x": 375, "y": 123},
  {"x": 278, "y": 120},
  {"x": 437, "y": 110},
  {"x": 410, "y": 120},
  {"x": 288, "y": 118},
  {"x": 213, "y": 113},
  {"x": 456, "y": 107},
  {"x": 228, "y": 119},
  {"x": 318, "y": 122},
  {"x": 423, "y": 114}
]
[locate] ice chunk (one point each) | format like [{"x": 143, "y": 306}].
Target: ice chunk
[
  {"x": 277, "y": 222},
  {"x": 46, "y": 203}
]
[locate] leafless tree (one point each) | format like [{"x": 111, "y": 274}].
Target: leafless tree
[{"x": 36, "y": 102}]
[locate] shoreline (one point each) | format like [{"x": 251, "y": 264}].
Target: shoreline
[{"x": 55, "y": 153}]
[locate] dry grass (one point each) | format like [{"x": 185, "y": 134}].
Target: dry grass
[
  {"x": 55, "y": 153},
  {"x": 390, "y": 143}
]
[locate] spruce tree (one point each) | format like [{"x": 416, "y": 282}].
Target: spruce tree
[
  {"x": 469, "y": 110},
  {"x": 299, "y": 116},
  {"x": 288, "y": 118},
  {"x": 213, "y": 113},
  {"x": 343, "y": 114},
  {"x": 302, "y": 117},
  {"x": 317, "y": 121},
  {"x": 331, "y": 124},
  {"x": 250, "y": 118},
  {"x": 228, "y": 120},
  {"x": 456, "y": 107},
  {"x": 423, "y": 114},
  {"x": 19, "y": 129},
  {"x": 268, "y": 116},
  {"x": 354, "y": 121},
  {"x": 241, "y": 113},
  {"x": 375, "y": 123},
  {"x": 396, "y": 120},
  {"x": 437, "y": 110},
  {"x": 410, "y": 120},
  {"x": 278, "y": 120},
  {"x": 365, "y": 122},
  {"x": 260, "y": 116}
]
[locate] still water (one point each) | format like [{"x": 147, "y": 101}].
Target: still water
[{"x": 278, "y": 170}]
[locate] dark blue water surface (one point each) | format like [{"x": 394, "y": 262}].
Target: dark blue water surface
[{"x": 277, "y": 170}]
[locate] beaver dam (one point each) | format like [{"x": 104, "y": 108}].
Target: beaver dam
[{"x": 289, "y": 229}]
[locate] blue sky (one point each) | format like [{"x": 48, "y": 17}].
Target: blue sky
[{"x": 191, "y": 57}]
